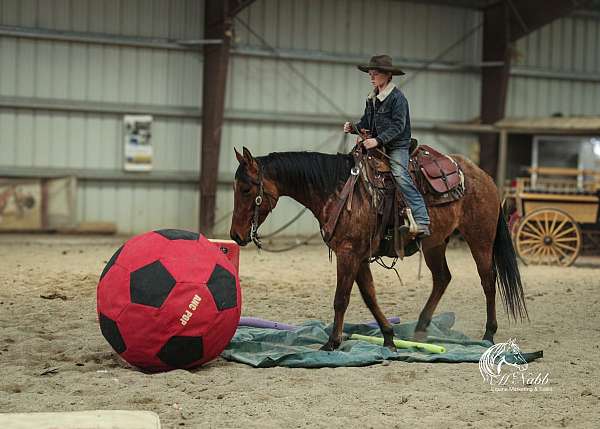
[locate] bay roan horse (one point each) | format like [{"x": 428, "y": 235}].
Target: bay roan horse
[{"x": 313, "y": 178}]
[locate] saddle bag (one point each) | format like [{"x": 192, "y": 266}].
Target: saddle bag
[{"x": 440, "y": 171}]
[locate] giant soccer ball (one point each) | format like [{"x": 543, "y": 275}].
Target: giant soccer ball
[{"x": 168, "y": 299}]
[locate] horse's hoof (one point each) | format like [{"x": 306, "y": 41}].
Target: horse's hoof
[
  {"x": 489, "y": 338},
  {"x": 420, "y": 336},
  {"x": 389, "y": 343},
  {"x": 392, "y": 348},
  {"x": 329, "y": 347}
]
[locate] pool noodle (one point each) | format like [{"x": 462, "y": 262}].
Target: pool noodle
[
  {"x": 401, "y": 344},
  {"x": 256, "y": 322}
]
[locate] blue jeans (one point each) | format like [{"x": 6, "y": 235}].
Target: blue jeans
[{"x": 411, "y": 194}]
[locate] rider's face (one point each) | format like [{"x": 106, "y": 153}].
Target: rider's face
[{"x": 378, "y": 79}]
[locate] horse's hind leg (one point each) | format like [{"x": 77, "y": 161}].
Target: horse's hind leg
[
  {"x": 481, "y": 244},
  {"x": 436, "y": 261},
  {"x": 364, "y": 279}
]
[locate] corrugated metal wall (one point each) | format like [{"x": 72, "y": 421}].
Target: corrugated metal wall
[
  {"x": 268, "y": 107},
  {"x": 117, "y": 75},
  {"x": 336, "y": 33},
  {"x": 569, "y": 47}
]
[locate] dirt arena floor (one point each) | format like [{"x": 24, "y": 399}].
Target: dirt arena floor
[{"x": 53, "y": 357}]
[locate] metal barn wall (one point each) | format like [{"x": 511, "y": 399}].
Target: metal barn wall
[
  {"x": 557, "y": 70},
  {"x": 324, "y": 40},
  {"x": 43, "y": 75},
  {"x": 61, "y": 102}
]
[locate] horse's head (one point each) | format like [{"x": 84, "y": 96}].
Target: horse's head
[{"x": 254, "y": 196}]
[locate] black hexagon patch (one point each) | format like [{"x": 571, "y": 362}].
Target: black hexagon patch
[
  {"x": 111, "y": 262},
  {"x": 222, "y": 286},
  {"x": 151, "y": 284},
  {"x": 110, "y": 330},
  {"x": 178, "y": 234},
  {"x": 179, "y": 352}
]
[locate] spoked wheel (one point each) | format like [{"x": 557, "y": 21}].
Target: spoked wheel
[
  {"x": 548, "y": 236},
  {"x": 513, "y": 224}
]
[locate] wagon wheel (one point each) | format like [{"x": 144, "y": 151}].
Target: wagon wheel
[
  {"x": 513, "y": 224},
  {"x": 548, "y": 236}
]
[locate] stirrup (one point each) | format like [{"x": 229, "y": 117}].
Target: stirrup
[{"x": 413, "y": 228}]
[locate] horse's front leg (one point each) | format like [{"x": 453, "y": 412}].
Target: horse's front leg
[
  {"x": 364, "y": 280},
  {"x": 347, "y": 267}
]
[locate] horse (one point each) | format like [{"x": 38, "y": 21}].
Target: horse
[
  {"x": 314, "y": 179},
  {"x": 490, "y": 364}
]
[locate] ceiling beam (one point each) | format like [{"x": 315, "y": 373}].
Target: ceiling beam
[
  {"x": 236, "y": 6},
  {"x": 465, "y": 4},
  {"x": 527, "y": 16}
]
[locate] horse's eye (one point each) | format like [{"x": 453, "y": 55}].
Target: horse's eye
[{"x": 245, "y": 191}]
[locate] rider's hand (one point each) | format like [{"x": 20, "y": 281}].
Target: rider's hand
[
  {"x": 370, "y": 143},
  {"x": 347, "y": 127}
]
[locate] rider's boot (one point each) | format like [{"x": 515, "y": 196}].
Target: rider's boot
[{"x": 423, "y": 231}]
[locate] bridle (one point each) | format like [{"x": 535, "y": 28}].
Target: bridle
[{"x": 258, "y": 200}]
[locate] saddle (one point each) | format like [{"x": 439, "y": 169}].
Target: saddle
[{"x": 437, "y": 176}]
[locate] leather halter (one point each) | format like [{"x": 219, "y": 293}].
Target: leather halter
[{"x": 258, "y": 200}]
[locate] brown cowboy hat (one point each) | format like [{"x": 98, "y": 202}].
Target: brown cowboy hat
[{"x": 380, "y": 62}]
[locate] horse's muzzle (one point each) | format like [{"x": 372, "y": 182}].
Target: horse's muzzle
[{"x": 239, "y": 240}]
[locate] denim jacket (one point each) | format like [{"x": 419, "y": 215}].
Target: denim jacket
[{"x": 389, "y": 123}]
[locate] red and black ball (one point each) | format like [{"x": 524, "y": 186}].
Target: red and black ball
[{"x": 168, "y": 299}]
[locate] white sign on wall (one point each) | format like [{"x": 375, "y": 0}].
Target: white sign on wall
[{"x": 138, "y": 142}]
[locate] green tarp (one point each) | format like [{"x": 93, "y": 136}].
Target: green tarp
[{"x": 263, "y": 348}]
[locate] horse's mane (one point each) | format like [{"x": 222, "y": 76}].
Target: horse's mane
[{"x": 297, "y": 170}]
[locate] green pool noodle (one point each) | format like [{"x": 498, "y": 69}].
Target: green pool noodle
[{"x": 401, "y": 344}]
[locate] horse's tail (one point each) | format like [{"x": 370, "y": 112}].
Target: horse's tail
[{"x": 506, "y": 272}]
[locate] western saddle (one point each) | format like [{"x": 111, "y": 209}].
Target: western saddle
[{"x": 437, "y": 176}]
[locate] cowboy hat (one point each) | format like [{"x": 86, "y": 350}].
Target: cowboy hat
[{"x": 380, "y": 62}]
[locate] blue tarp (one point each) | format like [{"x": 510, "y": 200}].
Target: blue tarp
[{"x": 263, "y": 348}]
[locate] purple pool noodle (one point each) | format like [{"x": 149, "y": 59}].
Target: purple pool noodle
[
  {"x": 392, "y": 320},
  {"x": 255, "y": 322}
]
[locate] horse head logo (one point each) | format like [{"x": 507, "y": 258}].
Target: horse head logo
[{"x": 492, "y": 360}]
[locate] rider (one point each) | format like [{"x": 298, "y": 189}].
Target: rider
[{"x": 387, "y": 122}]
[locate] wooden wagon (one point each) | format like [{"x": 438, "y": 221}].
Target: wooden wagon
[{"x": 554, "y": 215}]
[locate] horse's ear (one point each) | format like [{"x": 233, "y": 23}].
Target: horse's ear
[
  {"x": 247, "y": 155},
  {"x": 239, "y": 156},
  {"x": 249, "y": 161}
]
